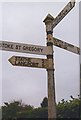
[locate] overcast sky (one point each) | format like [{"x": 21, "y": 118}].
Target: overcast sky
[{"x": 23, "y": 23}]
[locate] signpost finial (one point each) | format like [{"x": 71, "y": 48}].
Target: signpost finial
[
  {"x": 49, "y": 23},
  {"x": 48, "y": 18}
]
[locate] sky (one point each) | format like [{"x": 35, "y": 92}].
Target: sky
[{"x": 23, "y": 23}]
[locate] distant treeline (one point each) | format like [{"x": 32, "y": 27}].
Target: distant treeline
[{"x": 65, "y": 109}]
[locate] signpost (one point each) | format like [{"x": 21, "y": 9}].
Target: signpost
[
  {"x": 50, "y": 72},
  {"x": 66, "y": 46},
  {"x": 30, "y": 62},
  {"x": 25, "y": 48},
  {"x": 63, "y": 13},
  {"x": 50, "y": 23},
  {"x": 48, "y": 63}
]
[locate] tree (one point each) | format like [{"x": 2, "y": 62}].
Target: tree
[
  {"x": 65, "y": 109},
  {"x": 69, "y": 109},
  {"x": 14, "y": 110},
  {"x": 44, "y": 102}
]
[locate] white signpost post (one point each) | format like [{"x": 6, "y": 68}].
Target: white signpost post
[
  {"x": 48, "y": 63},
  {"x": 50, "y": 23}
]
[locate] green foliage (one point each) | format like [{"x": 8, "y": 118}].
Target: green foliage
[
  {"x": 69, "y": 109},
  {"x": 40, "y": 113},
  {"x": 65, "y": 109},
  {"x": 0, "y": 113},
  {"x": 13, "y": 109}
]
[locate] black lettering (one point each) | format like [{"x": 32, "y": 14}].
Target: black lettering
[
  {"x": 41, "y": 49},
  {"x": 70, "y": 3},
  {"x": 18, "y": 47},
  {"x": 0, "y": 44},
  {"x": 24, "y": 48},
  {"x": 29, "y": 48},
  {"x": 21, "y": 61},
  {"x": 7, "y": 46},
  {"x": 33, "y": 49},
  {"x": 11, "y": 46}
]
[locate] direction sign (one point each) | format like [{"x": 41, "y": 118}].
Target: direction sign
[
  {"x": 64, "y": 12},
  {"x": 25, "y": 48},
  {"x": 30, "y": 62},
  {"x": 66, "y": 46}
]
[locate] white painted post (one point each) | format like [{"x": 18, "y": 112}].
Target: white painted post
[{"x": 50, "y": 72}]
